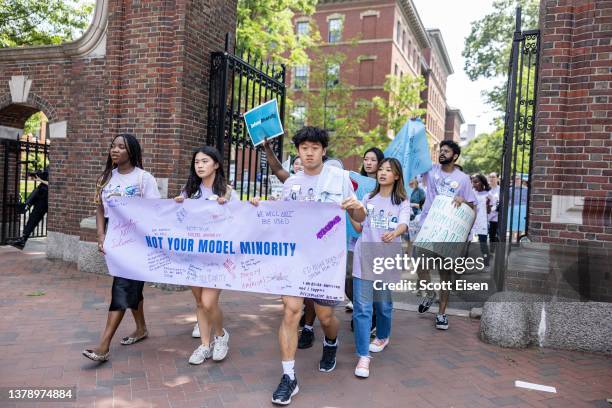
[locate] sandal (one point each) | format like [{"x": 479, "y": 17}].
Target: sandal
[
  {"x": 92, "y": 355},
  {"x": 126, "y": 341}
]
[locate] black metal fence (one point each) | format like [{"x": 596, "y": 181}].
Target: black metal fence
[
  {"x": 20, "y": 161},
  {"x": 519, "y": 129},
  {"x": 239, "y": 83}
]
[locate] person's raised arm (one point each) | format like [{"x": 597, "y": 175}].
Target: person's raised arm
[{"x": 275, "y": 165}]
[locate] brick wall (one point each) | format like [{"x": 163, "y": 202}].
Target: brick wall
[
  {"x": 573, "y": 142},
  {"x": 152, "y": 81}
]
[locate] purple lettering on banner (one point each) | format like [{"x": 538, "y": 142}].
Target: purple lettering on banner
[{"x": 328, "y": 227}]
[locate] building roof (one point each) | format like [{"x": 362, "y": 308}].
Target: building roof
[
  {"x": 410, "y": 12},
  {"x": 438, "y": 44},
  {"x": 455, "y": 111},
  {"x": 414, "y": 20}
]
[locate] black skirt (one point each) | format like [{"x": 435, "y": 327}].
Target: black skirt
[{"x": 127, "y": 294}]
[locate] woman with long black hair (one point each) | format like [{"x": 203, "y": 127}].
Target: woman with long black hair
[
  {"x": 371, "y": 160},
  {"x": 123, "y": 176},
  {"x": 207, "y": 182}
]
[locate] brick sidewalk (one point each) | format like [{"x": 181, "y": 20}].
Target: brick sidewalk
[{"x": 41, "y": 338}]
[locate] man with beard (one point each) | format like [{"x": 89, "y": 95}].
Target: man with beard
[{"x": 445, "y": 179}]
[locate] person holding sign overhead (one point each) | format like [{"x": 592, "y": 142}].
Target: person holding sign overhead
[
  {"x": 123, "y": 176},
  {"x": 446, "y": 179},
  {"x": 331, "y": 185},
  {"x": 207, "y": 182}
]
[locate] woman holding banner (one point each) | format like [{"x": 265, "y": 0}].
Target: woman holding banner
[
  {"x": 389, "y": 197},
  {"x": 122, "y": 176},
  {"x": 207, "y": 182}
]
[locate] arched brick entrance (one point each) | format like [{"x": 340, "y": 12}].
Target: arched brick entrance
[{"x": 142, "y": 67}]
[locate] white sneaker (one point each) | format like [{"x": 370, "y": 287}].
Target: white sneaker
[
  {"x": 378, "y": 345},
  {"x": 221, "y": 346},
  {"x": 363, "y": 367},
  {"x": 200, "y": 354},
  {"x": 196, "y": 331}
]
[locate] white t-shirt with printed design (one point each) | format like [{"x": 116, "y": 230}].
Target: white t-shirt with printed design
[{"x": 137, "y": 183}]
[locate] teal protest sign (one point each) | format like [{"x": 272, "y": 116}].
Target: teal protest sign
[{"x": 263, "y": 122}]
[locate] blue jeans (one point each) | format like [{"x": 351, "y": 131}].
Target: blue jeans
[{"x": 364, "y": 297}]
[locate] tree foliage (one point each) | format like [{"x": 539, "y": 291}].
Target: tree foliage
[
  {"x": 403, "y": 103},
  {"x": 487, "y": 47},
  {"x": 265, "y": 28},
  {"x": 42, "y": 22},
  {"x": 329, "y": 102},
  {"x": 482, "y": 154}
]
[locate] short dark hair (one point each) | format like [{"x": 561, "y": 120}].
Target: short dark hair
[
  {"x": 311, "y": 134},
  {"x": 454, "y": 146}
]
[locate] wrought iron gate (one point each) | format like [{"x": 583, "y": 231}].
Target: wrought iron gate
[
  {"x": 20, "y": 161},
  {"x": 239, "y": 83},
  {"x": 517, "y": 154}
]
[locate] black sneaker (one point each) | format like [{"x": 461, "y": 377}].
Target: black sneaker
[
  {"x": 441, "y": 322},
  {"x": 285, "y": 390},
  {"x": 306, "y": 339},
  {"x": 426, "y": 302},
  {"x": 328, "y": 361},
  {"x": 18, "y": 243}
]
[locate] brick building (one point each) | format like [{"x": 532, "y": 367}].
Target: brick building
[
  {"x": 141, "y": 67},
  {"x": 571, "y": 194},
  {"x": 453, "y": 122},
  {"x": 380, "y": 38}
]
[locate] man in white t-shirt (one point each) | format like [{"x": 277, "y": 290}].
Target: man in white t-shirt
[{"x": 317, "y": 183}]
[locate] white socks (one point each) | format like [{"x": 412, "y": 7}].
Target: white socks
[
  {"x": 288, "y": 368},
  {"x": 307, "y": 327}
]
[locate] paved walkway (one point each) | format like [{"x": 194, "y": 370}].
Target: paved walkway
[{"x": 41, "y": 338}]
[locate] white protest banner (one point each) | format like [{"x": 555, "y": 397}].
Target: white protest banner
[
  {"x": 445, "y": 223},
  {"x": 279, "y": 247}
]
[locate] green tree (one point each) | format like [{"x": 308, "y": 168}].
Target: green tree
[
  {"x": 403, "y": 103},
  {"x": 41, "y": 22},
  {"x": 487, "y": 47},
  {"x": 483, "y": 153},
  {"x": 328, "y": 102},
  {"x": 265, "y": 28}
]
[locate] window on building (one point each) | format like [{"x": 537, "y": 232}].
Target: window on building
[
  {"x": 333, "y": 74},
  {"x": 395, "y": 70},
  {"x": 368, "y": 27},
  {"x": 415, "y": 57},
  {"x": 299, "y": 116},
  {"x": 403, "y": 39},
  {"x": 398, "y": 32},
  {"x": 300, "y": 78},
  {"x": 366, "y": 72},
  {"x": 335, "y": 30},
  {"x": 302, "y": 28}
]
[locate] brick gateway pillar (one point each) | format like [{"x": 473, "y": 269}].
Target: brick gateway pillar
[
  {"x": 559, "y": 288},
  {"x": 141, "y": 67}
]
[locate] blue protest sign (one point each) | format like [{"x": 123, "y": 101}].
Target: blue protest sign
[
  {"x": 410, "y": 147},
  {"x": 263, "y": 122}
]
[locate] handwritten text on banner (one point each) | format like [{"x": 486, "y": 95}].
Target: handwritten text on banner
[{"x": 287, "y": 248}]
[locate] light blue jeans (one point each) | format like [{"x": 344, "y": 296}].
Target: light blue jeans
[{"x": 364, "y": 297}]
